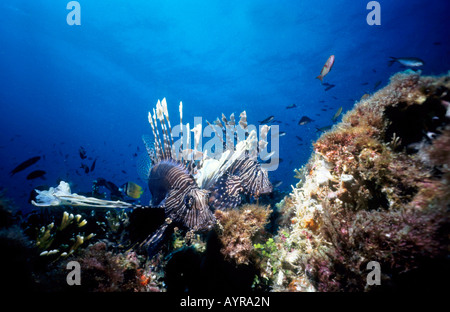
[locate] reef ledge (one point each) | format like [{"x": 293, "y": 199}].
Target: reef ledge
[{"x": 376, "y": 188}]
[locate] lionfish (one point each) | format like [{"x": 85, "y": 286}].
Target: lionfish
[
  {"x": 190, "y": 188},
  {"x": 188, "y": 184}
]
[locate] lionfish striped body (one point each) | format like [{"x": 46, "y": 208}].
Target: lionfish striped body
[
  {"x": 244, "y": 177},
  {"x": 188, "y": 190},
  {"x": 174, "y": 189}
]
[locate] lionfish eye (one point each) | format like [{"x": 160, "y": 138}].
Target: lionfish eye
[{"x": 189, "y": 201}]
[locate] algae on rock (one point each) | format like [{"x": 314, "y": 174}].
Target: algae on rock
[{"x": 377, "y": 188}]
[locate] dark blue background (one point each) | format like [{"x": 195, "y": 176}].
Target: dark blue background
[{"x": 62, "y": 87}]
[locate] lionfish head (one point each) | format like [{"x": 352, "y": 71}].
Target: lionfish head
[
  {"x": 198, "y": 215},
  {"x": 196, "y": 199}
]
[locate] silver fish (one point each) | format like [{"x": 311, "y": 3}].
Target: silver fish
[{"x": 407, "y": 61}]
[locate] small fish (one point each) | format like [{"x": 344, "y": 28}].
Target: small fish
[
  {"x": 82, "y": 152},
  {"x": 36, "y": 174},
  {"x": 111, "y": 187},
  {"x": 282, "y": 133},
  {"x": 277, "y": 183},
  {"x": 337, "y": 114},
  {"x": 14, "y": 137},
  {"x": 267, "y": 120},
  {"x": 24, "y": 165},
  {"x": 326, "y": 68},
  {"x": 377, "y": 84},
  {"x": 93, "y": 165},
  {"x": 305, "y": 120},
  {"x": 85, "y": 168},
  {"x": 323, "y": 129},
  {"x": 291, "y": 106},
  {"x": 364, "y": 83},
  {"x": 132, "y": 190},
  {"x": 407, "y": 61},
  {"x": 124, "y": 172},
  {"x": 328, "y": 86},
  {"x": 299, "y": 138}
]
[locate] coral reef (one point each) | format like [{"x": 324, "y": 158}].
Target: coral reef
[
  {"x": 376, "y": 188},
  {"x": 49, "y": 236},
  {"x": 108, "y": 271}
]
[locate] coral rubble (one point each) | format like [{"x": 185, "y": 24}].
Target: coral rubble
[{"x": 377, "y": 188}]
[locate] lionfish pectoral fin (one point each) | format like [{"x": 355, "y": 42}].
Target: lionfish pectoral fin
[
  {"x": 143, "y": 166},
  {"x": 226, "y": 192},
  {"x": 154, "y": 242}
]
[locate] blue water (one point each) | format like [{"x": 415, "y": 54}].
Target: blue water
[{"x": 62, "y": 87}]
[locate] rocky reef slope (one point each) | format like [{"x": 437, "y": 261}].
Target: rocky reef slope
[{"x": 376, "y": 188}]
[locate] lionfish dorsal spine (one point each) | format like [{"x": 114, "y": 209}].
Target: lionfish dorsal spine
[
  {"x": 262, "y": 144},
  {"x": 156, "y": 144},
  {"x": 164, "y": 141},
  {"x": 243, "y": 120},
  {"x": 162, "y": 114},
  {"x": 160, "y": 151},
  {"x": 166, "y": 115}
]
